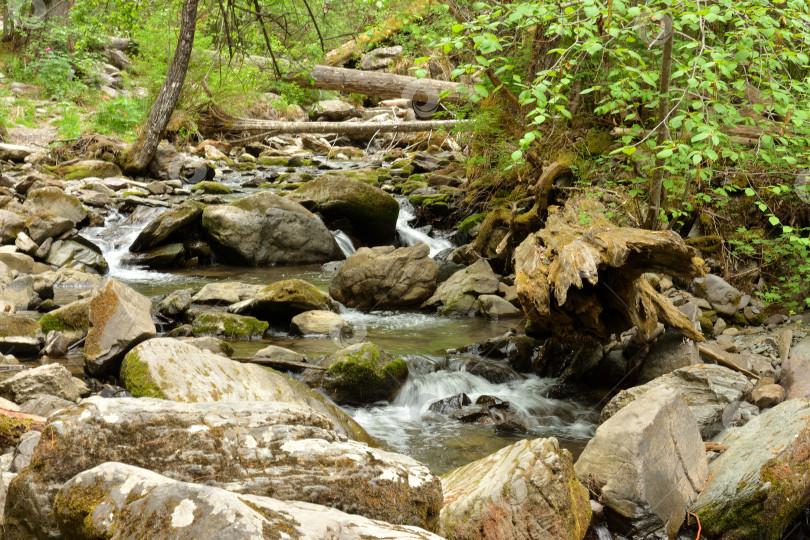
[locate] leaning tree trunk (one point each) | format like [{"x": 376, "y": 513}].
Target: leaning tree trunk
[{"x": 143, "y": 150}]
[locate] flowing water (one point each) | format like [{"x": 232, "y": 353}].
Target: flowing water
[{"x": 422, "y": 339}]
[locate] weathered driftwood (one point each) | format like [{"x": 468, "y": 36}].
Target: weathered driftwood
[
  {"x": 723, "y": 361},
  {"x": 382, "y": 85},
  {"x": 582, "y": 276}
]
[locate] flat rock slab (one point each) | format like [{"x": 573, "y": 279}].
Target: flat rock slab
[
  {"x": 131, "y": 502},
  {"x": 271, "y": 449}
]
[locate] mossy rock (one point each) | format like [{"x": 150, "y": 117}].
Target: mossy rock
[
  {"x": 437, "y": 200},
  {"x": 227, "y": 325},
  {"x": 294, "y": 177},
  {"x": 18, "y": 325},
  {"x": 244, "y": 166},
  {"x": 471, "y": 222},
  {"x": 136, "y": 378},
  {"x": 86, "y": 169},
  {"x": 710, "y": 243},
  {"x": 410, "y": 186},
  {"x": 11, "y": 429},
  {"x": 71, "y": 319},
  {"x": 366, "y": 175},
  {"x": 597, "y": 142},
  {"x": 282, "y": 300},
  {"x": 362, "y": 373},
  {"x": 211, "y": 188}
]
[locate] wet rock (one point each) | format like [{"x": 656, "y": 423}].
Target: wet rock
[
  {"x": 282, "y": 300},
  {"x": 450, "y": 404},
  {"x": 492, "y": 402},
  {"x": 225, "y": 325},
  {"x": 229, "y": 292},
  {"x": 569, "y": 362},
  {"x": 168, "y": 256},
  {"x": 724, "y": 298},
  {"x": 171, "y": 369},
  {"x": 510, "y": 427},
  {"x": 767, "y": 395},
  {"x": 44, "y": 405},
  {"x": 280, "y": 353},
  {"x": 526, "y": 490},
  {"x": 171, "y": 222},
  {"x": 264, "y": 229},
  {"x": 88, "y": 168},
  {"x": 319, "y": 322},
  {"x": 52, "y": 200},
  {"x": 120, "y": 318},
  {"x": 72, "y": 254},
  {"x": 520, "y": 351},
  {"x": 469, "y": 414},
  {"x": 51, "y": 379},
  {"x": 707, "y": 389},
  {"x": 761, "y": 483},
  {"x": 362, "y": 373},
  {"x": 650, "y": 460},
  {"x": 10, "y": 226},
  {"x": 137, "y": 502},
  {"x": 267, "y": 448},
  {"x": 371, "y": 211},
  {"x": 380, "y": 58},
  {"x": 56, "y": 344},
  {"x": 215, "y": 345},
  {"x": 460, "y": 292},
  {"x": 495, "y": 307},
  {"x": 385, "y": 278},
  {"x": 20, "y": 336},
  {"x": 175, "y": 304},
  {"x": 796, "y": 370}
]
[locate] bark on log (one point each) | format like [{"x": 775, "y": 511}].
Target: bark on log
[
  {"x": 582, "y": 277},
  {"x": 382, "y": 85}
]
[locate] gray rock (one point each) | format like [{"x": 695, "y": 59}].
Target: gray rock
[
  {"x": 71, "y": 254},
  {"x": 796, "y": 371},
  {"x": 120, "y": 318},
  {"x": 51, "y": 379},
  {"x": 280, "y": 353},
  {"x": 228, "y": 292},
  {"x": 136, "y": 502},
  {"x": 212, "y": 344},
  {"x": 160, "y": 229},
  {"x": 15, "y": 152},
  {"x": 24, "y": 243},
  {"x": 171, "y": 369},
  {"x": 385, "y": 278},
  {"x": 380, "y": 58},
  {"x": 672, "y": 351},
  {"x": 724, "y": 298},
  {"x": 333, "y": 110},
  {"x": 19, "y": 294},
  {"x": 650, "y": 461},
  {"x": 20, "y": 335},
  {"x": 526, "y": 490},
  {"x": 175, "y": 304},
  {"x": 272, "y": 449},
  {"x": 767, "y": 395},
  {"x": 761, "y": 483},
  {"x": 24, "y": 451},
  {"x": 265, "y": 229},
  {"x": 459, "y": 293},
  {"x": 44, "y": 405},
  {"x": 10, "y": 226},
  {"x": 5, "y": 479},
  {"x": 282, "y": 300},
  {"x": 53, "y": 200},
  {"x": 46, "y": 225},
  {"x": 495, "y": 307},
  {"x": 707, "y": 389},
  {"x": 319, "y": 322},
  {"x": 56, "y": 344}
]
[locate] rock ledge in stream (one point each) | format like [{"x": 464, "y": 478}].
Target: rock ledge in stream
[
  {"x": 278, "y": 450},
  {"x": 526, "y": 490},
  {"x": 136, "y": 503}
]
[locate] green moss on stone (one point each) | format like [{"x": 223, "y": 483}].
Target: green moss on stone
[
  {"x": 137, "y": 379},
  {"x": 211, "y": 188},
  {"x": 229, "y": 326},
  {"x": 70, "y": 318},
  {"x": 17, "y": 325},
  {"x": 469, "y": 223},
  {"x": 75, "y": 509}
]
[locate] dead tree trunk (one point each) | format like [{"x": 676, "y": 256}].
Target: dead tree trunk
[
  {"x": 137, "y": 158},
  {"x": 382, "y": 85}
]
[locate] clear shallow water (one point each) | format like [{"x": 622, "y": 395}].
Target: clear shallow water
[{"x": 405, "y": 425}]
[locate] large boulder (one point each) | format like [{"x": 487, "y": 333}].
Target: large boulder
[
  {"x": 120, "y": 318},
  {"x": 650, "y": 461},
  {"x": 761, "y": 483},
  {"x": 46, "y": 225},
  {"x": 319, "y": 322},
  {"x": 73, "y": 254},
  {"x": 272, "y": 449},
  {"x": 88, "y": 168},
  {"x": 371, "y": 212},
  {"x": 724, "y": 298},
  {"x": 460, "y": 292},
  {"x": 707, "y": 389},
  {"x": 385, "y": 278},
  {"x": 225, "y": 325},
  {"x": 265, "y": 229},
  {"x": 15, "y": 152},
  {"x": 54, "y": 201},
  {"x": 172, "y": 369},
  {"x": 227, "y": 292},
  {"x": 796, "y": 371},
  {"x": 47, "y": 380},
  {"x": 671, "y": 351},
  {"x": 361, "y": 373},
  {"x": 138, "y": 503},
  {"x": 283, "y": 300},
  {"x": 159, "y": 230},
  {"x": 526, "y": 490},
  {"x": 72, "y": 320},
  {"x": 10, "y": 226}
]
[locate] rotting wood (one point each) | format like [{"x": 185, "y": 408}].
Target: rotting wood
[
  {"x": 723, "y": 361},
  {"x": 583, "y": 277},
  {"x": 715, "y": 447}
]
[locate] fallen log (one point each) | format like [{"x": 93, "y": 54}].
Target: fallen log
[
  {"x": 382, "y": 85},
  {"x": 281, "y": 365},
  {"x": 723, "y": 361},
  {"x": 581, "y": 277}
]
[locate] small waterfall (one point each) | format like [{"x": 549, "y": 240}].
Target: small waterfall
[
  {"x": 345, "y": 243},
  {"x": 114, "y": 239},
  {"x": 411, "y": 236}
]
